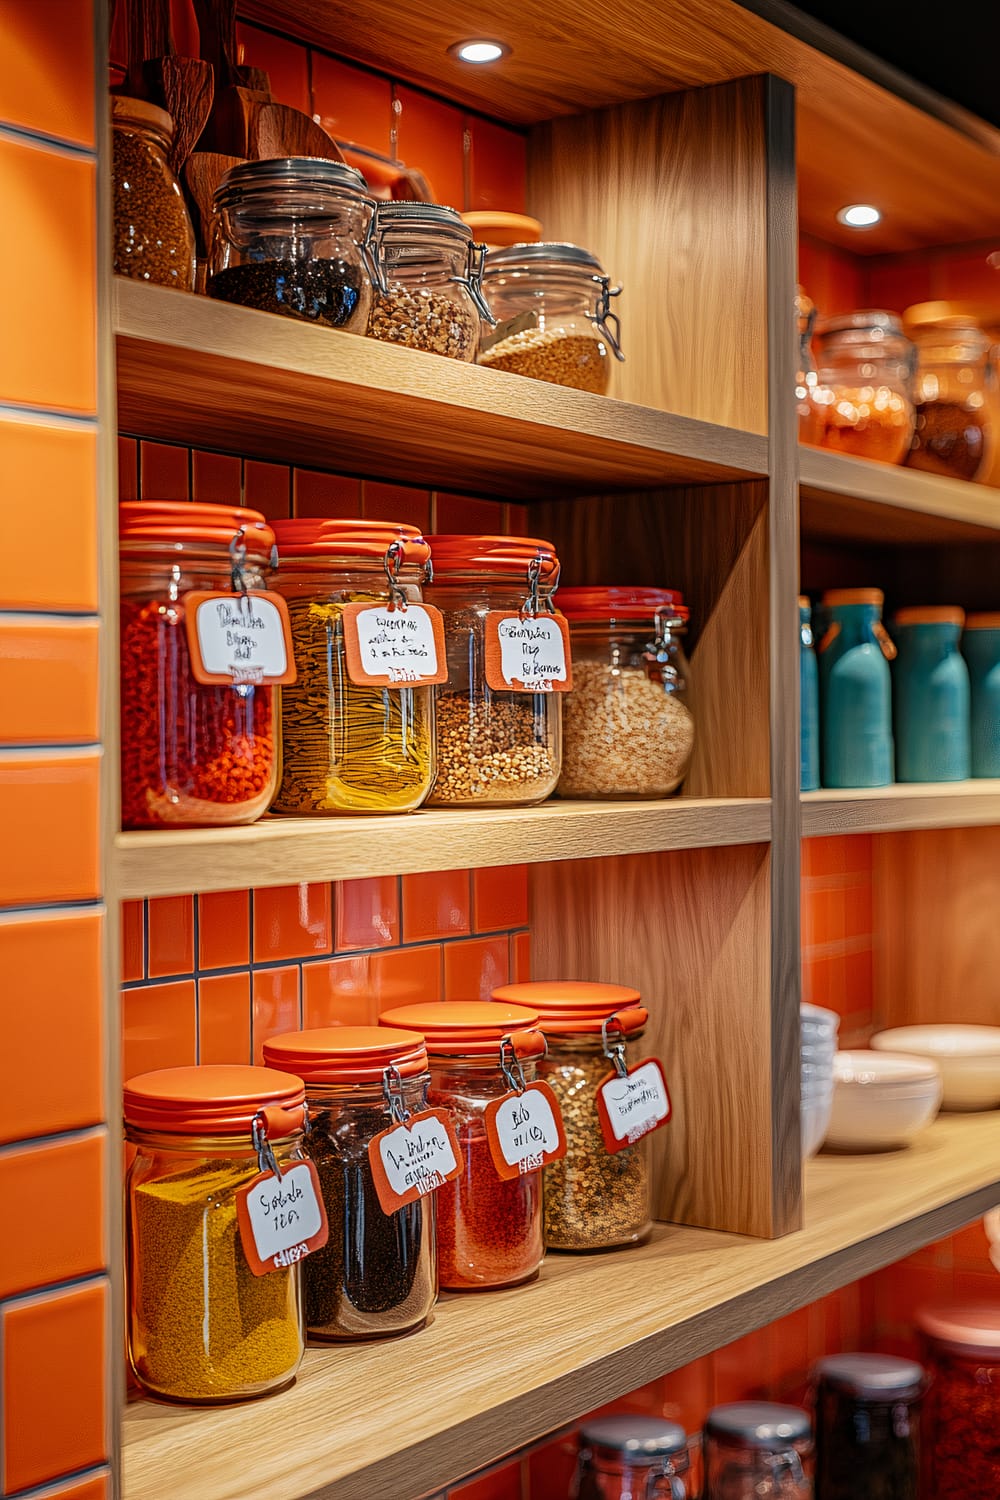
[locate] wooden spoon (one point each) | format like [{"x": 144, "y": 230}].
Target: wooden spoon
[
  {"x": 279, "y": 130},
  {"x": 185, "y": 86},
  {"x": 203, "y": 171}
]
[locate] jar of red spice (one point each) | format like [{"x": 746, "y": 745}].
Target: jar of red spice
[
  {"x": 962, "y": 1433},
  {"x": 489, "y": 1229},
  {"x": 193, "y": 752}
]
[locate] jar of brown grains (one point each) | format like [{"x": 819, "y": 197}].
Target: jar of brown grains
[
  {"x": 863, "y": 396},
  {"x": 553, "y": 302},
  {"x": 493, "y": 746},
  {"x": 153, "y": 237},
  {"x": 627, "y": 729},
  {"x": 594, "y": 1199},
  {"x": 954, "y": 392},
  {"x": 429, "y": 274}
]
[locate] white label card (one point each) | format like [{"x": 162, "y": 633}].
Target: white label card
[
  {"x": 526, "y": 1130},
  {"x": 637, "y": 1104},
  {"x": 242, "y": 637},
  {"x": 418, "y": 1155},
  {"x": 398, "y": 643},
  {"x": 532, "y": 651},
  {"x": 284, "y": 1215}
]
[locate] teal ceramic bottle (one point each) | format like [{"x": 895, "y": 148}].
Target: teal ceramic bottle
[
  {"x": 855, "y": 690},
  {"x": 930, "y": 695},
  {"x": 808, "y": 701},
  {"x": 981, "y": 649}
]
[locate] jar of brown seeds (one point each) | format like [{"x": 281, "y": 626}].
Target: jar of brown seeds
[
  {"x": 429, "y": 272},
  {"x": 153, "y": 238}
]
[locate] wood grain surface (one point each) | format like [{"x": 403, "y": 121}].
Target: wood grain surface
[
  {"x": 859, "y": 500},
  {"x": 496, "y": 1371},
  {"x": 914, "y": 805}
]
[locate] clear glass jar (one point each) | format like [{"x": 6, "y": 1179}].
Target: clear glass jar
[
  {"x": 493, "y": 748},
  {"x": 595, "y": 1199},
  {"x": 377, "y": 1273},
  {"x": 868, "y": 1427},
  {"x": 489, "y": 1230},
  {"x": 292, "y": 236},
  {"x": 561, "y": 297},
  {"x": 192, "y": 753},
  {"x": 201, "y": 1327},
  {"x": 153, "y": 236},
  {"x": 954, "y": 385},
  {"x": 962, "y": 1419},
  {"x": 755, "y": 1450},
  {"x": 429, "y": 293},
  {"x": 632, "y": 1458},
  {"x": 347, "y": 747},
  {"x": 864, "y": 391},
  {"x": 810, "y": 424},
  {"x": 627, "y": 728}
]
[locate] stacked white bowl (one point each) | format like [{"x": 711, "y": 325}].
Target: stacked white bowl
[{"x": 819, "y": 1047}]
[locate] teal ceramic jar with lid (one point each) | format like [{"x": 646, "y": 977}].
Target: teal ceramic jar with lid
[
  {"x": 981, "y": 649},
  {"x": 855, "y": 690},
  {"x": 930, "y": 695},
  {"x": 808, "y": 701}
]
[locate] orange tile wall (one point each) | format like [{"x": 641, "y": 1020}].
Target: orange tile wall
[{"x": 839, "y": 283}]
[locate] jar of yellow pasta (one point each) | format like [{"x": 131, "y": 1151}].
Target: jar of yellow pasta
[{"x": 349, "y": 746}]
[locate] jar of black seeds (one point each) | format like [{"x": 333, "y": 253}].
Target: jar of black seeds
[{"x": 293, "y": 237}]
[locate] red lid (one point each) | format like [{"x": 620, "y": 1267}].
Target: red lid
[
  {"x": 215, "y": 1099},
  {"x": 967, "y": 1327},
  {"x": 347, "y": 1054},
  {"x": 577, "y": 1007},
  {"x": 470, "y": 1028},
  {"x": 175, "y": 522},
  {"x": 311, "y": 537},
  {"x": 930, "y": 614},
  {"x": 510, "y": 556},
  {"x": 611, "y": 603}
]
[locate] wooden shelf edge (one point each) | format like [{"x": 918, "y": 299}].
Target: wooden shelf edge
[
  {"x": 279, "y": 851},
  {"x": 892, "y": 809},
  {"x": 858, "y": 499},
  {"x": 357, "y": 1424}
]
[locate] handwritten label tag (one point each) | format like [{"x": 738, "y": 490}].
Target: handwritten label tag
[
  {"x": 239, "y": 639},
  {"x": 631, "y": 1107},
  {"x": 281, "y": 1219},
  {"x": 392, "y": 647},
  {"x": 527, "y": 656},
  {"x": 409, "y": 1161},
  {"x": 525, "y": 1131}
]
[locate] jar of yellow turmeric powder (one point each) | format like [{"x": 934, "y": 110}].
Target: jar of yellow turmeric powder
[
  {"x": 202, "y": 1327},
  {"x": 355, "y": 739}
]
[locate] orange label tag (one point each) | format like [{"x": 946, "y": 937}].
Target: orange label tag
[
  {"x": 409, "y": 1161},
  {"x": 238, "y": 639},
  {"x": 281, "y": 1220},
  {"x": 630, "y": 1107},
  {"x": 525, "y": 1131},
  {"x": 390, "y": 647},
  {"x": 527, "y": 656}
]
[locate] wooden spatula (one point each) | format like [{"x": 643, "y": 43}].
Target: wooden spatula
[
  {"x": 203, "y": 172},
  {"x": 278, "y": 130},
  {"x": 185, "y": 87}
]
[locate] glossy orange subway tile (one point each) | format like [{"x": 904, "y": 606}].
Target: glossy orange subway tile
[
  {"x": 60, "y": 1191},
  {"x": 687, "y": 1393},
  {"x": 277, "y": 1005},
  {"x": 267, "y": 488},
  {"x": 291, "y": 921},
  {"x": 790, "y": 1354},
  {"x": 970, "y": 1248},
  {"x": 516, "y": 520},
  {"x": 552, "y": 1468},
  {"x": 499, "y": 164},
  {"x": 464, "y": 513},
  {"x": 48, "y": 681},
  {"x": 315, "y": 494},
  {"x": 286, "y": 63},
  {"x": 49, "y": 827},
  {"x": 164, "y": 472},
  {"x": 430, "y": 137},
  {"x": 366, "y": 913},
  {"x": 171, "y": 936},
  {"x": 46, "y": 71},
  {"x": 48, "y": 471},
  {"x": 520, "y": 957},
  {"x": 128, "y": 469},
  {"x": 396, "y": 502},
  {"x": 352, "y": 104},
  {"x": 401, "y": 976},
  {"x": 500, "y": 1484},
  {"x": 133, "y": 937},
  {"x": 224, "y": 1016},
  {"x": 473, "y": 969},
  {"x": 742, "y": 1369},
  {"x": 223, "y": 929},
  {"x": 55, "y": 1400},
  {"x": 159, "y": 1027},
  {"x": 499, "y": 897},
  {"x": 435, "y": 905},
  {"x": 215, "y": 478},
  {"x": 339, "y": 992},
  {"x": 970, "y": 1286},
  {"x": 98, "y": 1487}
]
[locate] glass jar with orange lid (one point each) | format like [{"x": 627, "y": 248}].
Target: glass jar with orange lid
[
  {"x": 489, "y": 1229},
  {"x": 595, "y": 1199},
  {"x": 955, "y": 395},
  {"x": 201, "y": 1326},
  {"x": 377, "y": 1274},
  {"x": 962, "y": 1418},
  {"x": 864, "y": 390},
  {"x": 194, "y": 752}
]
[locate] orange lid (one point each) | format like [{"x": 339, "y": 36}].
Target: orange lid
[
  {"x": 507, "y": 555},
  {"x": 214, "y": 1099},
  {"x": 607, "y": 602},
  {"x": 176, "y": 522},
  {"x": 310, "y": 537},
  {"x": 967, "y": 1327},
  {"x": 982, "y": 622},
  {"x": 930, "y": 614},
  {"x": 347, "y": 1054},
  {"x": 501, "y": 229},
  {"x": 805, "y": 602},
  {"x": 470, "y": 1028},
  {"x": 833, "y": 597},
  {"x": 577, "y": 1007}
]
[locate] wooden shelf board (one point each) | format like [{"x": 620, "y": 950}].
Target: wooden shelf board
[
  {"x": 888, "y": 809},
  {"x": 282, "y": 851},
  {"x": 858, "y": 500},
  {"x": 496, "y": 1371},
  {"x": 195, "y": 371}
]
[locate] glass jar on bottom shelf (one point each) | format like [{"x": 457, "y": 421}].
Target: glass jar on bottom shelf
[
  {"x": 632, "y": 1458},
  {"x": 962, "y": 1419},
  {"x": 377, "y": 1274},
  {"x": 868, "y": 1427},
  {"x": 755, "y": 1450},
  {"x": 201, "y": 1327}
]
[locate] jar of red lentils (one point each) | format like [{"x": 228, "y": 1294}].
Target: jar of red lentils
[
  {"x": 201, "y": 1326},
  {"x": 489, "y": 1229},
  {"x": 193, "y": 752},
  {"x": 962, "y": 1412},
  {"x": 499, "y": 739},
  {"x": 627, "y": 727}
]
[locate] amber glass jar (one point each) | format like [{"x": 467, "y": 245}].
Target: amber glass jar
[
  {"x": 429, "y": 293},
  {"x": 349, "y": 747},
  {"x": 955, "y": 401},
  {"x": 201, "y": 1326},
  {"x": 153, "y": 237},
  {"x": 868, "y": 1427},
  {"x": 755, "y": 1450},
  {"x": 489, "y": 1230},
  {"x": 493, "y": 747},
  {"x": 962, "y": 1428},
  {"x": 192, "y": 753},
  {"x": 377, "y": 1273},
  {"x": 595, "y": 1199},
  {"x": 864, "y": 390},
  {"x": 632, "y": 1458}
]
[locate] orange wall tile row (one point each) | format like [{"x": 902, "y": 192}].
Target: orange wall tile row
[
  {"x": 837, "y": 931},
  {"x": 839, "y": 282}
]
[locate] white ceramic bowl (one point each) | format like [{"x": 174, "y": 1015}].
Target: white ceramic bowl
[
  {"x": 881, "y": 1100},
  {"x": 968, "y": 1057},
  {"x": 816, "y": 1020}
]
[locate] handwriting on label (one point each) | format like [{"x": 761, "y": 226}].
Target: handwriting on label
[
  {"x": 631, "y": 1107},
  {"x": 387, "y": 646},
  {"x": 409, "y": 1161},
  {"x": 525, "y": 1130},
  {"x": 282, "y": 1218},
  {"x": 532, "y": 652},
  {"x": 239, "y": 638}
]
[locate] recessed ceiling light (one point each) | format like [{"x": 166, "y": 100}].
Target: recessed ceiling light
[
  {"x": 859, "y": 215},
  {"x": 479, "y": 52}
]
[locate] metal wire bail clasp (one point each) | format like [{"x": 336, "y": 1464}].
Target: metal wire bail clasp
[
  {"x": 614, "y": 1051},
  {"x": 237, "y": 564},
  {"x": 473, "y": 283},
  {"x": 393, "y": 563},
  {"x": 266, "y": 1159},
  {"x": 660, "y": 662},
  {"x": 510, "y": 1066},
  {"x": 536, "y": 601},
  {"x": 392, "y": 1093},
  {"x": 605, "y": 320}
]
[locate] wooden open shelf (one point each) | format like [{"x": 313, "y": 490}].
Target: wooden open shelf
[
  {"x": 858, "y": 500},
  {"x": 191, "y": 370},
  {"x": 283, "y": 851},
  {"x": 498, "y": 1370},
  {"x": 889, "y": 809}
]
